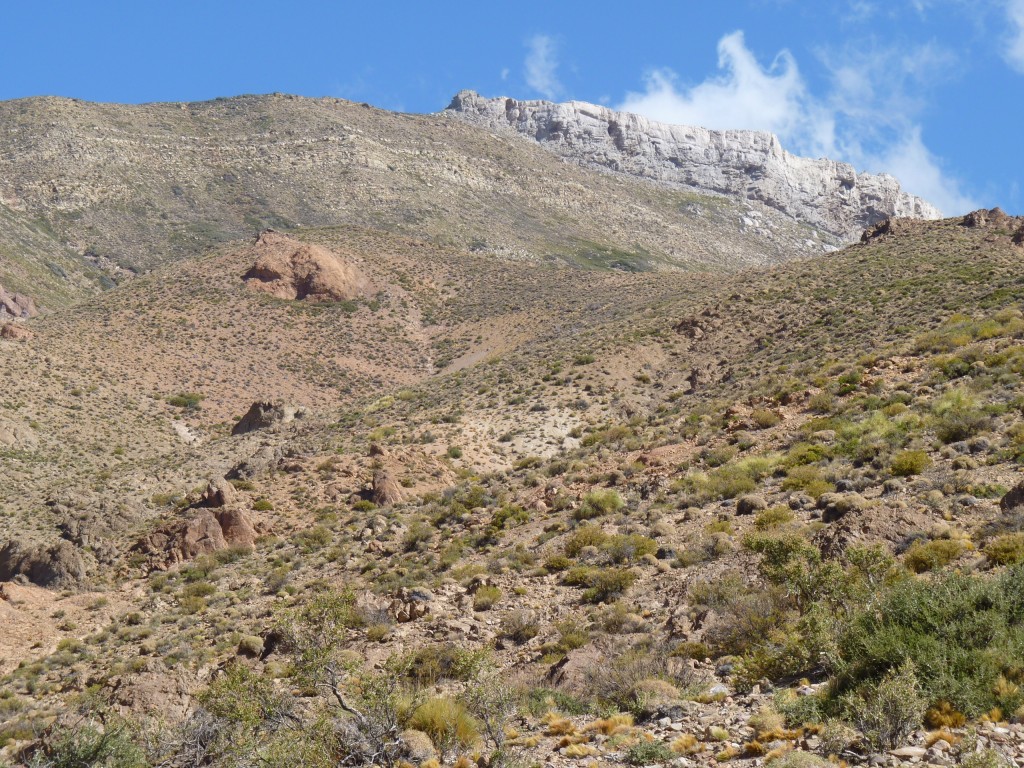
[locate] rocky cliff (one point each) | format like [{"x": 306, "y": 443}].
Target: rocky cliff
[{"x": 748, "y": 165}]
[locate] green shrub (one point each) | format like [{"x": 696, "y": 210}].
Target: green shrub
[
  {"x": 765, "y": 418},
  {"x": 628, "y": 548},
  {"x": 602, "y": 584},
  {"x": 189, "y": 401},
  {"x": 448, "y": 724},
  {"x": 961, "y": 632},
  {"x": 1007, "y": 549},
  {"x": 432, "y": 663},
  {"x": 773, "y": 517},
  {"x": 932, "y": 555},
  {"x": 262, "y": 505},
  {"x": 909, "y": 463},
  {"x": 598, "y": 504},
  {"x": 485, "y": 598},
  {"x": 807, "y": 478},
  {"x": 649, "y": 753},
  {"x": 585, "y": 536},
  {"x": 887, "y": 712}
]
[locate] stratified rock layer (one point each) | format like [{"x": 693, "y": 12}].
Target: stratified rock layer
[{"x": 749, "y": 165}]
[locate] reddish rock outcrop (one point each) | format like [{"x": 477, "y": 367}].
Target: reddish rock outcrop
[{"x": 290, "y": 269}]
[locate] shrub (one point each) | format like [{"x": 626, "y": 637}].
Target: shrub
[
  {"x": 960, "y": 631},
  {"x": 889, "y": 711},
  {"x": 598, "y": 504},
  {"x": 908, "y": 463},
  {"x": 520, "y": 625},
  {"x": 602, "y": 584},
  {"x": 932, "y": 555},
  {"x": 485, "y": 598},
  {"x": 1007, "y": 549},
  {"x": 262, "y": 505},
  {"x": 189, "y": 401},
  {"x": 765, "y": 418},
  {"x": 433, "y": 663},
  {"x": 773, "y": 517},
  {"x": 628, "y": 548},
  {"x": 448, "y": 724},
  {"x": 589, "y": 535},
  {"x": 649, "y": 753},
  {"x": 806, "y": 478}
]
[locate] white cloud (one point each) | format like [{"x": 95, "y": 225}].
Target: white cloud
[
  {"x": 1015, "y": 50},
  {"x": 867, "y": 117},
  {"x": 504, "y": 73},
  {"x": 743, "y": 96},
  {"x": 920, "y": 172},
  {"x": 542, "y": 66}
]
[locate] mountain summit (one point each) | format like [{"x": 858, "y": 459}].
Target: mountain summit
[{"x": 748, "y": 165}]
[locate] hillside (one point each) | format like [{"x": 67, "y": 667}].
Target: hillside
[
  {"x": 662, "y": 506},
  {"x": 91, "y": 194}
]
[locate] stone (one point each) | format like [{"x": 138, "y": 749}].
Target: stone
[
  {"x": 290, "y": 269},
  {"x": 17, "y": 305},
  {"x": 834, "y": 506},
  {"x": 1013, "y": 498},
  {"x": 386, "y": 488},
  {"x": 826, "y": 194},
  {"x": 748, "y": 505},
  {"x": 237, "y": 528},
  {"x": 266, "y": 414},
  {"x": 219, "y": 493},
  {"x": 56, "y": 565},
  {"x": 16, "y": 332}
]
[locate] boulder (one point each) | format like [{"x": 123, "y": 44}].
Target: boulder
[
  {"x": 237, "y": 528},
  {"x": 748, "y": 505},
  {"x": 55, "y": 565},
  {"x": 1013, "y": 498},
  {"x": 17, "y": 305},
  {"x": 266, "y": 414},
  {"x": 410, "y": 604},
  {"x": 15, "y": 332},
  {"x": 219, "y": 493},
  {"x": 386, "y": 488},
  {"x": 290, "y": 269},
  {"x": 834, "y": 506}
]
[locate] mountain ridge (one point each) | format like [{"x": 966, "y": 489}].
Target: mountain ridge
[{"x": 738, "y": 163}]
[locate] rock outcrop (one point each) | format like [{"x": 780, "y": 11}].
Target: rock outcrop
[
  {"x": 211, "y": 530},
  {"x": 17, "y": 436},
  {"x": 264, "y": 415},
  {"x": 17, "y": 305},
  {"x": 57, "y": 565},
  {"x": 749, "y": 165},
  {"x": 289, "y": 269},
  {"x": 15, "y": 332}
]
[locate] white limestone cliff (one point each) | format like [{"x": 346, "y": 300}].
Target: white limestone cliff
[{"x": 748, "y": 165}]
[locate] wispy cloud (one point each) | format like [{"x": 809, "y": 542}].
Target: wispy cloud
[
  {"x": 542, "y": 66},
  {"x": 867, "y": 117},
  {"x": 1015, "y": 49}
]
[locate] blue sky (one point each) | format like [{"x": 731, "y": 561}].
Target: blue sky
[{"x": 929, "y": 90}]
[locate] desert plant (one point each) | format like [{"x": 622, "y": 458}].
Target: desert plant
[
  {"x": 889, "y": 711},
  {"x": 448, "y": 724}
]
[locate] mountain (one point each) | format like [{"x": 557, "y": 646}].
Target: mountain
[
  {"x": 744, "y": 165},
  {"x": 91, "y": 194},
  {"x": 482, "y": 485}
]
